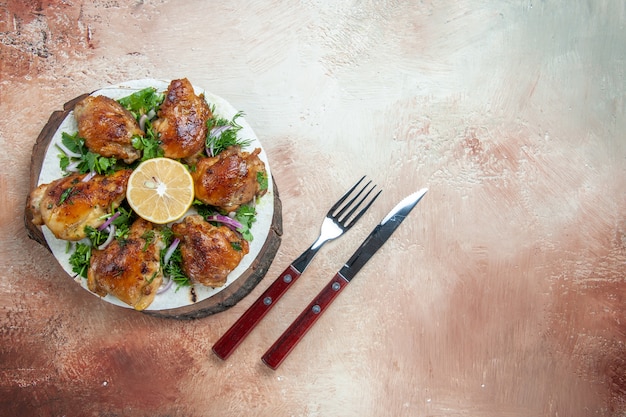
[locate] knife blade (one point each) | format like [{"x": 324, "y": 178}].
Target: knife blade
[{"x": 277, "y": 353}]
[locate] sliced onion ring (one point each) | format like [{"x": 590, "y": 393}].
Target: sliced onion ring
[
  {"x": 170, "y": 251},
  {"x": 73, "y": 167},
  {"x": 165, "y": 287},
  {"x": 109, "y": 239},
  {"x": 142, "y": 122},
  {"x": 215, "y": 133},
  {"x": 166, "y": 260},
  {"x": 109, "y": 221},
  {"x": 232, "y": 223},
  {"x": 89, "y": 176},
  {"x": 67, "y": 152}
]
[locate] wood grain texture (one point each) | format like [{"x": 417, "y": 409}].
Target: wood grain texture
[{"x": 503, "y": 295}]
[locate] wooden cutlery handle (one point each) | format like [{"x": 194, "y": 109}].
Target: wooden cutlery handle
[
  {"x": 288, "y": 340},
  {"x": 255, "y": 313}
]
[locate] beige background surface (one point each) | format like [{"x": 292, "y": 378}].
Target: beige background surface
[{"x": 502, "y": 294}]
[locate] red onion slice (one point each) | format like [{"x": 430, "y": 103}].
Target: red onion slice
[
  {"x": 165, "y": 287},
  {"x": 170, "y": 251},
  {"x": 109, "y": 221},
  {"x": 232, "y": 223},
  {"x": 216, "y": 132}
]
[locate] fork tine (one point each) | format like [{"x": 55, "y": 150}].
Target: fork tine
[
  {"x": 343, "y": 197},
  {"x": 349, "y": 203},
  {"x": 350, "y": 207},
  {"x": 349, "y": 223}
]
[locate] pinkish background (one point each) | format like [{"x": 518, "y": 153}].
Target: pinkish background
[{"x": 503, "y": 293}]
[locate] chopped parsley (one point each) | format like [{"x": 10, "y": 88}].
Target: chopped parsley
[
  {"x": 261, "y": 178},
  {"x": 79, "y": 260},
  {"x": 87, "y": 161},
  {"x": 145, "y": 104},
  {"x": 97, "y": 237},
  {"x": 246, "y": 215},
  {"x": 142, "y": 101},
  {"x": 149, "y": 144},
  {"x": 122, "y": 223},
  {"x": 148, "y": 236},
  {"x": 67, "y": 193}
]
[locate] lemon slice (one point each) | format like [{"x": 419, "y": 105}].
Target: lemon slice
[{"x": 160, "y": 190}]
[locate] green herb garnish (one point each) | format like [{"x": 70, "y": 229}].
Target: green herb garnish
[
  {"x": 149, "y": 144},
  {"x": 148, "y": 236},
  {"x": 67, "y": 193},
  {"x": 174, "y": 268},
  {"x": 246, "y": 215},
  {"x": 79, "y": 260},
  {"x": 223, "y": 133},
  {"x": 97, "y": 237},
  {"x": 142, "y": 101},
  {"x": 87, "y": 161},
  {"x": 261, "y": 178}
]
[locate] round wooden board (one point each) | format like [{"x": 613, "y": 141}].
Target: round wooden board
[{"x": 221, "y": 301}]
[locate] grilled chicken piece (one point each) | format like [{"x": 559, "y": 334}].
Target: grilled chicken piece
[
  {"x": 229, "y": 179},
  {"x": 107, "y": 127},
  {"x": 181, "y": 122},
  {"x": 130, "y": 270},
  {"x": 69, "y": 204},
  {"x": 209, "y": 253}
]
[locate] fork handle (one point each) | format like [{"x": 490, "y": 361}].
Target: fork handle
[
  {"x": 276, "y": 354},
  {"x": 225, "y": 346}
]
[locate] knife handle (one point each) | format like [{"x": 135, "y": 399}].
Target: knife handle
[
  {"x": 276, "y": 354},
  {"x": 255, "y": 313}
]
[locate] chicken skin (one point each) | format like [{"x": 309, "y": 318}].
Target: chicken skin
[
  {"x": 130, "y": 269},
  {"x": 229, "y": 179},
  {"x": 107, "y": 127},
  {"x": 67, "y": 205},
  {"x": 181, "y": 122},
  {"x": 209, "y": 253}
]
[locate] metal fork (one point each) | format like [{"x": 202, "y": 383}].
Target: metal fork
[{"x": 339, "y": 219}]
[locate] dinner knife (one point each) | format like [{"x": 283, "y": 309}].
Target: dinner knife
[{"x": 277, "y": 353}]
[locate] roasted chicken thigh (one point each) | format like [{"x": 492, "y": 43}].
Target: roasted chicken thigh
[
  {"x": 107, "y": 127},
  {"x": 129, "y": 269},
  {"x": 67, "y": 205},
  {"x": 209, "y": 253},
  {"x": 229, "y": 179},
  {"x": 181, "y": 122}
]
